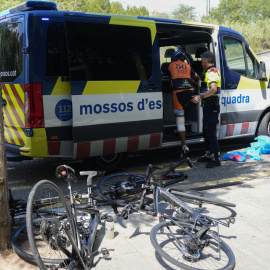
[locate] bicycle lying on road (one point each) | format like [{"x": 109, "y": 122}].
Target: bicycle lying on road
[
  {"x": 186, "y": 238},
  {"x": 61, "y": 233},
  {"x": 127, "y": 186}
]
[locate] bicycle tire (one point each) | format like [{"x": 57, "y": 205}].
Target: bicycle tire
[
  {"x": 18, "y": 234},
  {"x": 121, "y": 187},
  {"x": 164, "y": 243},
  {"x": 24, "y": 251},
  {"x": 43, "y": 229}
]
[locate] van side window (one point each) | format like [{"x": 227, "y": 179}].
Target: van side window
[
  {"x": 56, "y": 53},
  {"x": 236, "y": 55},
  {"x": 106, "y": 52},
  {"x": 252, "y": 64},
  {"x": 11, "y": 56}
]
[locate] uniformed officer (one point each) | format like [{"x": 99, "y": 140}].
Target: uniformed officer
[
  {"x": 183, "y": 78},
  {"x": 209, "y": 95}
]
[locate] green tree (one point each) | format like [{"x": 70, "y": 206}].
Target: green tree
[
  {"x": 244, "y": 11},
  {"x": 94, "y": 6},
  {"x": 185, "y": 13},
  {"x": 6, "y": 4},
  {"x": 157, "y": 14},
  {"x": 117, "y": 8},
  {"x": 141, "y": 11}
]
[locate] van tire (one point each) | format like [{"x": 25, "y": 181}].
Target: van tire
[
  {"x": 264, "y": 126},
  {"x": 109, "y": 163}
]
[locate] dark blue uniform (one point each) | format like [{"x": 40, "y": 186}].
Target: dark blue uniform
[{"x": 211, "y": 109}]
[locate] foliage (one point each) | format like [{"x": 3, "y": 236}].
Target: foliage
[
  {"x": 184, "y": 13},
  {"x": 243, "y": 11},
  {"x": 95, "y": 6},
  {"x": 5, "y": 4},
  {"x": 157, "y": 14},
  {"x": 251, "y": 18}
]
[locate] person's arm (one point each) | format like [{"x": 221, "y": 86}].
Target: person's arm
[{"x": 213, "y": 89}]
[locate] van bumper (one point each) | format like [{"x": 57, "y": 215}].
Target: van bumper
[{"x": 13, "y": 153}]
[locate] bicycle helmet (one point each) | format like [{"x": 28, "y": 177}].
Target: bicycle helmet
[{"x": 178, "y": 54}]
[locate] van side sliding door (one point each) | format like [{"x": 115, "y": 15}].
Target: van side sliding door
[{"x": 115, "y": 84}]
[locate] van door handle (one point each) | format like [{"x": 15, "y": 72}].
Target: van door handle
[
  {"x": 232, "y": 85},
  {"x": 150, "y": 86},
  {"x": 4, "y": 103}
]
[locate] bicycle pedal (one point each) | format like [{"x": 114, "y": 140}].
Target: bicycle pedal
[
  {"x": 106, "y": 252},
  {"x": 231, "y": 220}
]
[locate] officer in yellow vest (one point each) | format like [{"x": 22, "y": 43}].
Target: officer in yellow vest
[{"x": 209, "y": 95}]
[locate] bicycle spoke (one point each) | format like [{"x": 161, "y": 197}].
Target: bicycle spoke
[
  {"x": 46, "y": 218},
  {"x": 181, "y": 249}
]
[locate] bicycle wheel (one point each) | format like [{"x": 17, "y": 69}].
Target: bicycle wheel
[
  {"x": 20, "y": 244},
  {"x": 121, "y": 187},
  {"x": 176, "y": 246},
  {"x": 205, "y": 205},
  {"x": 46, "y": 212}
]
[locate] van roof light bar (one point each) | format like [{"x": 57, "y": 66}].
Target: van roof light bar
[{"x": 34, "y": 5}]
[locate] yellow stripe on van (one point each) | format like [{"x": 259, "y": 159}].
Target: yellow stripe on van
[
  {"x": 36, "y": 146},
  {"x": 6, "y": 136},
  {"x": 20, "y": 91},
  {"x": 61, "y": 88},
  {"x": 247, "y": 83},
  {"x": 110, "y": 87},
  {"x": 134, "y": 21},
  {"x": 16, "y": 105},
  {"x": 11, "y": 130}
]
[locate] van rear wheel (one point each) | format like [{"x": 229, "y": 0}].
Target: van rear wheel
[
  {"x": 109, "y": 163},
  {"x": 264, "y": 126}
]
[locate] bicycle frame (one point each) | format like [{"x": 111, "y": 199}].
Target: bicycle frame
[
  {"x": 191, "y": 217},
  {"x": 87, "y": 243}
]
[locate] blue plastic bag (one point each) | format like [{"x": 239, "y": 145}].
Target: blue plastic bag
[
  {"x": 262, "y": 146},
  {"x": 253, "y": 153},
  {"x": 237, "y": 156}
]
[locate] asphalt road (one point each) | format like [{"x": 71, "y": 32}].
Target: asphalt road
[{"x": 22, "y": 176}]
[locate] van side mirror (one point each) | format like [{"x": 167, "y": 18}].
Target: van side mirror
[{"x": 262, "y": 72}]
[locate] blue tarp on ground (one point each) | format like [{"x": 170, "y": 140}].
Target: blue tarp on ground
[{"x": 262, "y": 146}]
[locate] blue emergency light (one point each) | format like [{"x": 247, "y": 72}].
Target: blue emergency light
[{"x": 31, "y": 5}]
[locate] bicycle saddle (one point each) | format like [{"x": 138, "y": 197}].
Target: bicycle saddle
[{"x": 64, "y": 171}]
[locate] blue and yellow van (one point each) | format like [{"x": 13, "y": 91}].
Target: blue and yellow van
[{"x": 79, "y": 85}]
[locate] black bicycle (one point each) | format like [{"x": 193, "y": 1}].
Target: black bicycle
[
  {"x": 61, "y": 234},
  {"x": 122, "y": 188},
  {"x": 187, "y": 238},
  {"x": 127, "y": 186}
]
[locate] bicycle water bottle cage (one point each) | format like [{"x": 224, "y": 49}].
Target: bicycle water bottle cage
[
  {"x": 64, "y": 172},
  {"x": 156, "y": 180}
]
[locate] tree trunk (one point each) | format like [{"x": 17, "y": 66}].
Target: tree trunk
[{"x": 4, "y": 211}]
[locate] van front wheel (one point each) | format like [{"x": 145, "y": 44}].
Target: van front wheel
[
  {"x": 264, "y": 126},
  {"x": 109, "y": 163}
]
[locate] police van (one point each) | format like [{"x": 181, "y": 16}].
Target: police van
[{"x": 78, "y": 85}]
